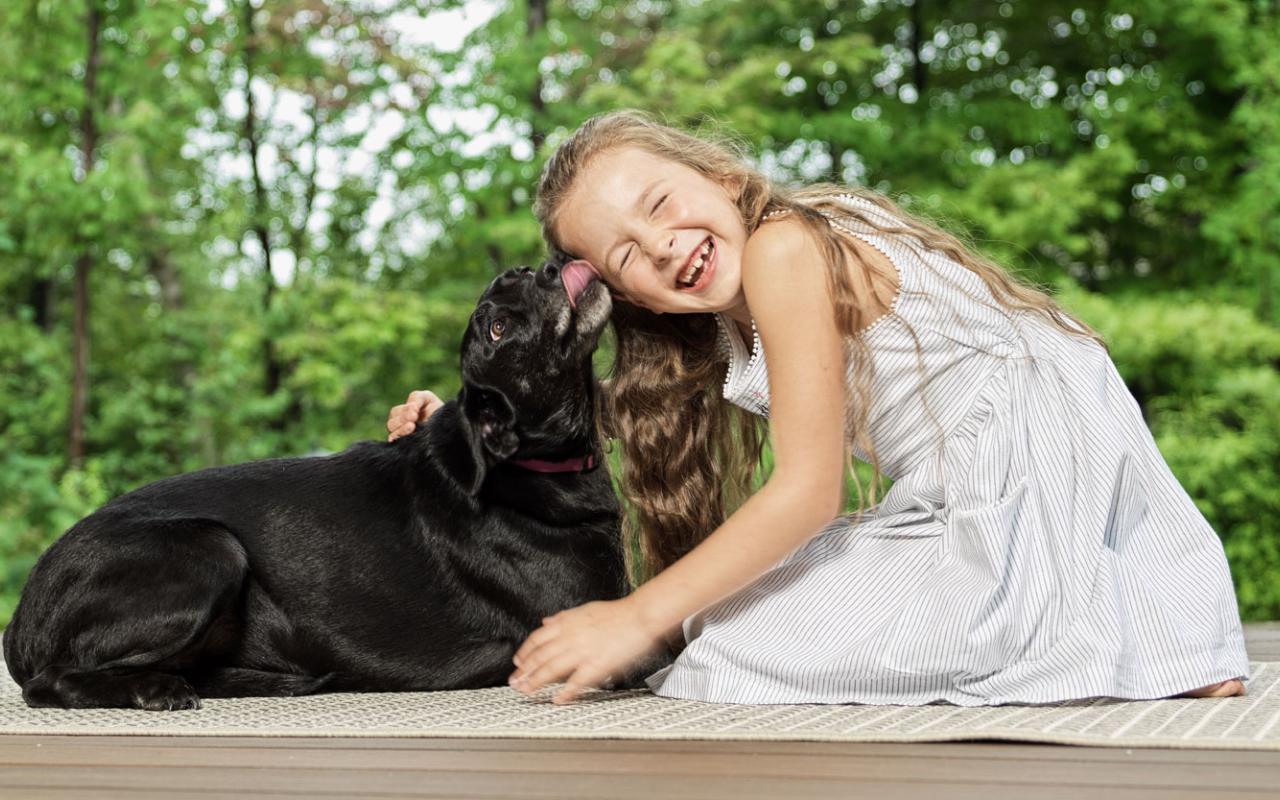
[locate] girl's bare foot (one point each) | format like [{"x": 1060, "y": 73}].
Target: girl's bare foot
[{"x": 1224, "y": 689}]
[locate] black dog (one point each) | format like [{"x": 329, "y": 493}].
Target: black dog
[{"x": 416, "y": 565}]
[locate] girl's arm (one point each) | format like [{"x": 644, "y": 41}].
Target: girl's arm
[{"x": 785, "y": 281}]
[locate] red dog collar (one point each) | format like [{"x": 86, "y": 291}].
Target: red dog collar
[{"x": 580, "y": 464}]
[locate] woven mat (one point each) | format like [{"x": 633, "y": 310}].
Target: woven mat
[{"x": 1251, "y": 722}]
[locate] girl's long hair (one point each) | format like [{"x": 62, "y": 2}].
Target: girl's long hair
[{"x": 688, "y": 457}]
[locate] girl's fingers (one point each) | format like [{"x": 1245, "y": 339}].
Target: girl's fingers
[
  {"x": 530, "y": 665},
  {"x": 421, "y": 398},
  {"x": 575, "y": 685},
  {"x": 429, "y": 409},
  {"x": 587, "y": 676},
  {"x": 548, "y": 652},
  {"x": 536, "y": 639},
  {"x": 554, "y": 669},
  {"x": 542, "y": 653},
  {"x": 569, "y": 693},
  {"x": 403, "y": 418},
  {"x": 393, "y": 418},
  {"x": 410, "y": 407},
  {"x": 403, "y": 429},
  {"x": 430, "y": 404}
]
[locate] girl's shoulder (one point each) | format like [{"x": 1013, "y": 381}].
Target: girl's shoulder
[
  {"x": 780, "y": 239},
  {"x": 781, "y": 231},
  {"x": 784, "y": 243},
  {"x": 785, "y": 236}
]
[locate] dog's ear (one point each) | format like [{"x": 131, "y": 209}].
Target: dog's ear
[{"x": 489, "y": 420}]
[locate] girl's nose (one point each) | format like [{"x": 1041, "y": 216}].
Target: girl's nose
[{"x": 662, "y": 248}]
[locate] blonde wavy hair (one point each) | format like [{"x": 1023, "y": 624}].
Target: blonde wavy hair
[{"x": 689, "y": 457}]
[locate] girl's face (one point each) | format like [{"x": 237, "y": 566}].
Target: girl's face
[{"x": 662, "y": 235}]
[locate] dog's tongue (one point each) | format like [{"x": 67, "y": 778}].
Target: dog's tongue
[{"x": 577, "y": 276}]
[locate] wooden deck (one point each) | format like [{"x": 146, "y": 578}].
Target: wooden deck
[{"x": 208, "y": 768}]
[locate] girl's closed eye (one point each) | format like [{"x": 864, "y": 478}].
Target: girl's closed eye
[{"x": 627, "y": 255}]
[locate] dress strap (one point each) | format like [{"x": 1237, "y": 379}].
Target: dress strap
[{"x": 898, "y": 256}]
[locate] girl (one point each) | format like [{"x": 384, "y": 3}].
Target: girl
[{"x": 1034, "y": 546}]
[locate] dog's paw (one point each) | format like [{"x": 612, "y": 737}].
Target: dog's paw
[{"x": 162, "y": 692}]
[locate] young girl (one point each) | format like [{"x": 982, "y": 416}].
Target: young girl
[{"x": 1034, "y": 546}]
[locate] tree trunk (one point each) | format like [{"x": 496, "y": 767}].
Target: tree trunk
[
  {"x": 837, "y": 151},
  {"x": 273, "y": 371},
  {"x": 84, "y": 262},
  {"x": 491, "y": 247},
  {"x": 166, "y": 274},
  {"x": 536, "y": 21},
  {"x": 40, "y": 299},
  {"x": 917, "y": 25},
  {"x": 835, "y": 147},
  {"x": 300, "y": 236}
]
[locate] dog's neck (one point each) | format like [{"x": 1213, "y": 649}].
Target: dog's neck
[
  {"x": 579, "y": 464},
  {"x": 444, "y": 443}
]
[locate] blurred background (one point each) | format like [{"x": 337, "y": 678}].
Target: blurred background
[{"x": 233, "y": 229}]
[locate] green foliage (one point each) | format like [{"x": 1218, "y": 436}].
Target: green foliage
[
  {"x": 1127, "y": 152},
  {"x": 38, "y": 501}
]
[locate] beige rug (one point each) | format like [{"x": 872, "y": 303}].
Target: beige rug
[{"x": 1251, "y": 722}]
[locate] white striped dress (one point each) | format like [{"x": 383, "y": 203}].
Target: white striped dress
[{"x": 1034, "y": 546}]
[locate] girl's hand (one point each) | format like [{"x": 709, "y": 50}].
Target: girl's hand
[
  {"x": 405, "y": 417},
  {"x": 584, "y": 647}
]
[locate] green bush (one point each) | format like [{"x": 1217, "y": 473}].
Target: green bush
[{"x": 38, "y": 501}]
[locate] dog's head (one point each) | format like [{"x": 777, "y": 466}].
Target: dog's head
[{"x": 527, "y": 386}]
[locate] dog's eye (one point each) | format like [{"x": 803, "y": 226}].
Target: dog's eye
[{"x": 497, "y": 328}]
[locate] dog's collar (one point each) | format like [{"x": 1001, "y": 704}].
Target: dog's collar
[{"x": 579, "y": 464}]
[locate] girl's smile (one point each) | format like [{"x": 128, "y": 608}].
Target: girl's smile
[{"x": 700, "y": 267}]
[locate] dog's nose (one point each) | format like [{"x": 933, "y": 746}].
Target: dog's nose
[{"x": 547, "y": 276}]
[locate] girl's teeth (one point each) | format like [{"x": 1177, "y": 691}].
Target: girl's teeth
[{"x": 688, "y": 277}]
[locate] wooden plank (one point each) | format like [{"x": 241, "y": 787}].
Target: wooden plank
[
  {"x": 972, "y": 765},
  {"x": 15, "y": 747},
  {"x": 567, "y": 783},
  {"x": 632, "y": 791}
]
